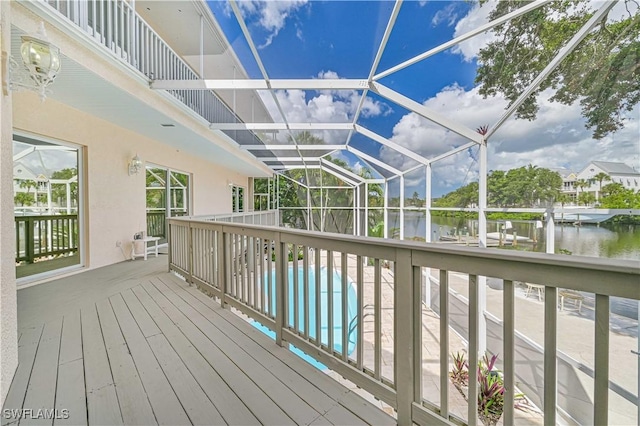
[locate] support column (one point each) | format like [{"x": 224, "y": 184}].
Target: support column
[
  {"x": 428, "y": 237},
  {"x": 8, "y": 305},
  {"x": 482, "y": 243},
  {"x": 402, "y": 207},
  {"x": 386, "y": 208}
]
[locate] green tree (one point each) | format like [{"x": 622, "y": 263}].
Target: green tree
[
  {"x": 59, "y": 191},
  {"x": 601, "y": 177},
  {"x": 602, "y": 73},
  {"x": 586, "y": 198},
  {"x": 23, "y": 199},
  {"x": 616, "y": 196}
]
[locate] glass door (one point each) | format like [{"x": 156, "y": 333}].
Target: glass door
[
  {"x": 46, "y": 206},
  {"x": 167, "y": 196}
]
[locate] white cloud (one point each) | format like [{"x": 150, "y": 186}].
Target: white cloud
[
  {"x": 326, "y": 106},
  {"x": 449, "y": 15},
  {"x": 477, "y": 16},
  {"x": 557, "y": 138},
  {"x": 271, "y": 15}
]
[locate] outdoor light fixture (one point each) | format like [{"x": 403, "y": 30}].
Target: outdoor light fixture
[
  {"x": 40, "y": 64},
  {"x": 135, "y": 165}
]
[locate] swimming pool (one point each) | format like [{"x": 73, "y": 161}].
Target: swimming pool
[{"x": 351, "y": 301}]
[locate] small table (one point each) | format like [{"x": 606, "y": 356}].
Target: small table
[
  {"x": 535, "y": 287},
  {"x": 145, "y": 249}
]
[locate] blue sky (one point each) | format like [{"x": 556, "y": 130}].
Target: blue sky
[{"x": 329, "y": 39}]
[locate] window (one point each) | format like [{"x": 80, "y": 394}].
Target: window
[{"x": 237, "y": 198}]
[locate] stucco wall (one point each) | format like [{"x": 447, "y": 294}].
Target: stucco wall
[
  {"x": 115, "y": 201},
  {"x": 8, "y": 307}
]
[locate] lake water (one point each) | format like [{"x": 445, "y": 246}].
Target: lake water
[{"x": 610, "y": 241}]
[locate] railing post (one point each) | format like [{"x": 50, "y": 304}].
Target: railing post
[
  {"x": 222, "y": 255},
  {"x": 281, "y": 262},
  {"x": 190, "y": 253},
  {"x": 403, "y": 329},
  {"x": 169, "y": 244},
  {"x": 30, "y": 234}
]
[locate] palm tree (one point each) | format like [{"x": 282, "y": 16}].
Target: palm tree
[
  {"x": 600, "y": 177},
  {"x": 580, "y": 184}
]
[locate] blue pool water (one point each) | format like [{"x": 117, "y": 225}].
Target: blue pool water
[{"x": 351, "y": 301}]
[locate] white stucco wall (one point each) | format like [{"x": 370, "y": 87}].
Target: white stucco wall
[
  {"x": 8, "y": 306},
  {"x": 115, "y": 202}
]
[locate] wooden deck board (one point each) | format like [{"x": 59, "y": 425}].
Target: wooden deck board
[
  {"x": 160, "y": 394},
  {"x": 256, "y": 400},
  {"x": 27, "y": 348},
  {"x": 71, "y": 394},
  {"x": 150, "y": 349},
  {"x": 199, "y": 408},
  {"x": 350, "y": 401},
  {"x": 41, "y": 391},
  {"x": 224, "y": 399},
  {"x": 295, "y": 406},
  {"x": 134, "y": 403},
  {"x": 102, "y": 402},
  {"x": 307, "y": 390}
]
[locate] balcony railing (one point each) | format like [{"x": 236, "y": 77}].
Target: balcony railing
[
  {"x": 115, "y": 25},
  {"x": 249, "y": 268},
  {"x": 265, "y": 218},
  {"x": 45, "y": 235}
]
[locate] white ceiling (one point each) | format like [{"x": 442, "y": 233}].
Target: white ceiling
[{"x": 83, "y": 90}]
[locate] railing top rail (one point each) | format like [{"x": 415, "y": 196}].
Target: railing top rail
[{"x": 614, "y": 277}]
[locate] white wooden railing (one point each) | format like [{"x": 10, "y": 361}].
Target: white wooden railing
[
  {"x": 115, "y": 25},
  {"x": 265, "y": 218},
  {"x": 246, "y": 267}
]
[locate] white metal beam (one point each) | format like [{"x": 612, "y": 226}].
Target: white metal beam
[
  {"x": 328, "y": 164},
  {"x": 338, "y": 175},
  {"x": 481, "y": 29},
  {"x": 288, "y": 159},
  {"x": 454, "y": 151},
  {"x": 263, "y": 71},
  {"x": 384, "y": 141},
  {"x": 562, "y": 54},
  {"x": 276, "y": 147},
  {"x": 281, "y": 126},
  {"x": 370, "y": 159},
  {"x": 425, "y": 112},
  {"x": 271, "y": 84},
  {"x": 376, "y": 61}
]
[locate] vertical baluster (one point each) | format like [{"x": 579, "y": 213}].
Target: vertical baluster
[
  {"x": 256, "y": 259},
  {"x": 330, "y": 299},
  {"x": 121, "y": 25},
  {"x": 473, "y": 349},
  {"x": 550, "y": 359},
  {"x": 344, "y": 299},
  {"x": 109, "y": 27},
  {"x": 377, "y": 300},
  {"x": 508, "y": 337},
  {"x": 305, "y": 289},
  {"x": 444, "y": 343},
  {"x": 94, "y": 22},
  {"x": 601, "y": 365},
  {"x": 416, "y": 295},
  {"x": 317, "y": 289},
  {"x": 270, "y": 282},
  {"x": 296, "y": 290},
  {"x": 359, "y": 313}
]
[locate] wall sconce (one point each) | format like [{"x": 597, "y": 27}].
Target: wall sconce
[
  {"x": 135, "y": 165},
  {"x": 40, "y": 65}
]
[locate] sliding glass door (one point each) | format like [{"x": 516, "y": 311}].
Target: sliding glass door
[{"x": 167, "y": 196}]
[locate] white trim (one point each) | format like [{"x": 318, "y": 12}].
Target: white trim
[
  {"x": 276, "y": 147},
  {"x": 260, "y": 84},
  {"x": 281, "y": 126}
]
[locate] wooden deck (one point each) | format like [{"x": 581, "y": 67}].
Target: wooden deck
[{"x": 152, "y": 350}]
